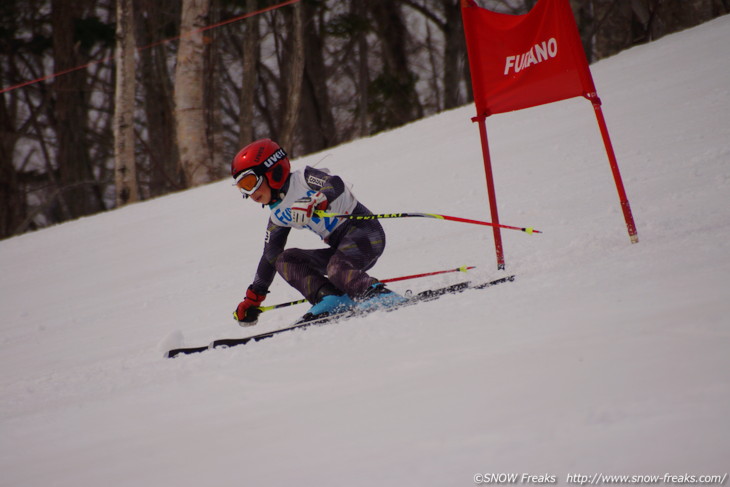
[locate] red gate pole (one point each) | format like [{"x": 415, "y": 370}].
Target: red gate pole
[
  {"x": 490, "y": 190},
  {"x": 628, "y": 217}
]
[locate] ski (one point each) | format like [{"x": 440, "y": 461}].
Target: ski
[{"x": 427, "y": 295}]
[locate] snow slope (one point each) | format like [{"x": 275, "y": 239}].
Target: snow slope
[{"x": 602, "y": 357}]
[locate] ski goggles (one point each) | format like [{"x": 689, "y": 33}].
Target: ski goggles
[{"x": 248, "y": 182}]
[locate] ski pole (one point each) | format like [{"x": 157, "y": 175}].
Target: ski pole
[
  {"x": 324, "y": 214},
  {"x": 392, "y": 279}
]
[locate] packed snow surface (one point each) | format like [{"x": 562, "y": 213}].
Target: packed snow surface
[{"x": 602, "y": 357}]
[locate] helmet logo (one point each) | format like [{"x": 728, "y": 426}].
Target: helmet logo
[{"x": 274, "y": 158}]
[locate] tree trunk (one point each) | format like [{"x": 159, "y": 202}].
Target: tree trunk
[
  {"x": 363, "y": 73},
  {"x": 195, "y": 155},
  {"x": 293, "y": 70},
  {"x": 162, "y": 172},
  {"x": 316, "y": 118},
  {"x": 248, "y": 84},
  {"x": 394, "y": 101},
  {"x": 12, "y": 200},
  {"x": 124, "y": 160},
  {"x": 78, "y": 186},
  {"x": 454, "y": 53},
  {"x": 13, "y": 206}
]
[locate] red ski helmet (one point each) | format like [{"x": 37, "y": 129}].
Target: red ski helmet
[{"x": 265, "y": 158}]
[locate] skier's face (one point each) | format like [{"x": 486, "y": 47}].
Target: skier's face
[{"x": 263, "y": 194}]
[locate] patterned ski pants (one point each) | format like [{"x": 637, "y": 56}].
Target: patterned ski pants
[{"x": 341, "y": 268}]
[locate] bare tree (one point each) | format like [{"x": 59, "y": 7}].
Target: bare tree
[
  {"x": 158, "y": 164},
  {"x": 394, "y": 99},
  {"x": 79, "y": 191},
  {"x": 310, "y": 76},
  {"x": 316, "y": 121},
  {"x": 195, "y": 154},
  {"x": 248, "y": 84},
  {"x": 363, "y": 73},
  {"x": 126, "y": 190},
  {"x": 446, "y": 15},
  {"x": 13, "y": 206},
  {"x": 292, "y": 71}
]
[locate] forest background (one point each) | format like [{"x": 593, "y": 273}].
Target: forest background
[{"x": 108, "y": 102}]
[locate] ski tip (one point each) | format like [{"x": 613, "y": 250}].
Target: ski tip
[{"x": 183, "y": 351}]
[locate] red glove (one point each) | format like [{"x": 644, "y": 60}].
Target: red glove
[
  {"x": 247, "y": 312},
  {"x": 303, "y": 209}
]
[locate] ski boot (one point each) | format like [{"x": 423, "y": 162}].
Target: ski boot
[
  {"x": 378, "y": 296},
  {"x": 330, "y": 304}
]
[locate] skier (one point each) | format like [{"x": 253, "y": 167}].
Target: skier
[{"x": 332, "y": 279}]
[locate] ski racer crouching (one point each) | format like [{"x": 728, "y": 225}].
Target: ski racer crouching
[{"x": 332, "y": 279}]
